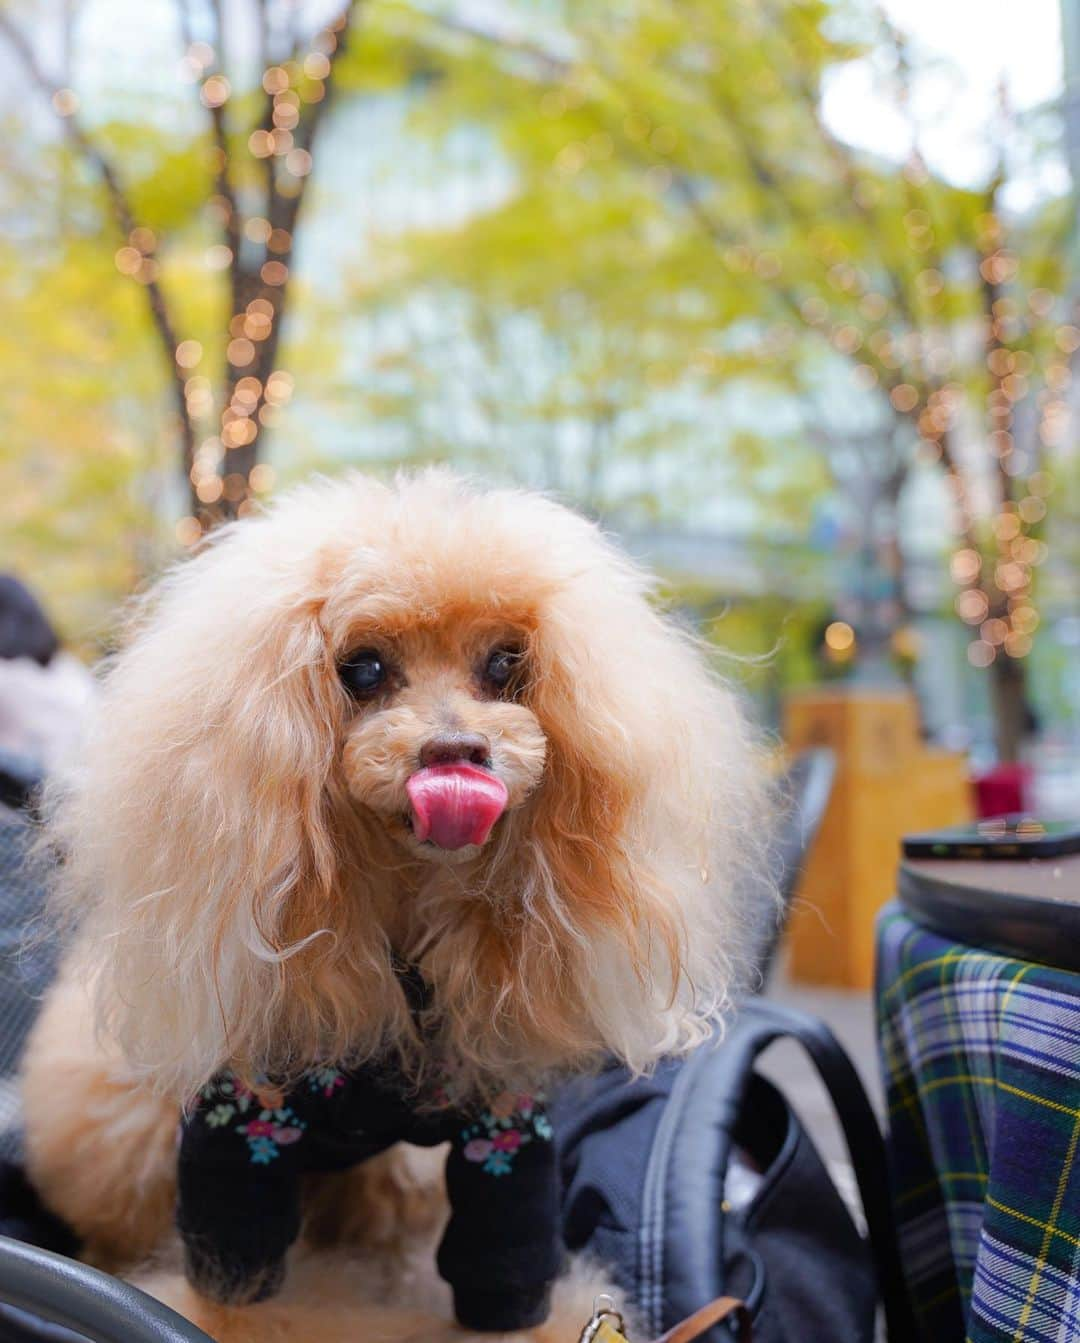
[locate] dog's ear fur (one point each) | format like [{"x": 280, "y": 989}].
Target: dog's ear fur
[
  {"x": 653, "y": 810},
  {"x": 198, "y": 855}
]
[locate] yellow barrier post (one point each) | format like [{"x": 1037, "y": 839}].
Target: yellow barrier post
[{"x": 887, "y": 784}]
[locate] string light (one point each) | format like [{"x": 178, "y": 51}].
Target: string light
[
  {"x": 1067, "y": 338},
  {"x": 965, "y": 566},
  {"x": 240, "y": 352},
  {"x": 201, "y": 54},
  {"x": 257, "y": 229},
  {"x": 128, "y": 260},
  {"x": 199, "y": 397},
  {"x": 65, "y": 102},
  {"x": 251, "y": 403},
  {"x": 257, "y": 326},
  {"x": 215, "y": 91},
  {"x": 279, "y": 387},
  {"x": 188, "y": 353},
  {"x": 209, "y": 489},
  {"x": 972, "y": 606},
  {"x": 839, "y": 636},
  {"x": 188, "y": 531},
  {"x": 274, "y": 273}
]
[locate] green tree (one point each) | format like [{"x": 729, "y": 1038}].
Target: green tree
[
  {"x": 81, "y": 472},
  {"x": 242, "y": 181},
  {"x": 697, "y": 128}
]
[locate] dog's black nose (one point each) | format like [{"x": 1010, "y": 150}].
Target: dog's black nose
[{"x": 449, "y": 747}]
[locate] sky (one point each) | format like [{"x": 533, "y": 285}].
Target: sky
[{"x": 979, "y": 44}]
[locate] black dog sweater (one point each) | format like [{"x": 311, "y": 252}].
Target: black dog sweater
[{"x": 243, "y": 1153}]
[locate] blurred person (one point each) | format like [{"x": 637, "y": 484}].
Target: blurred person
[{"x": 44, "y": 691}]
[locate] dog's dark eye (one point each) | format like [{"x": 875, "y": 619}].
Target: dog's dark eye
[
  {"x": 501, "y": 668},
  {"x": 362, "y": 673}
]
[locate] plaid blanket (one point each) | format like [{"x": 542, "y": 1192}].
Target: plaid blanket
[{"x": 981, "y": 1056}]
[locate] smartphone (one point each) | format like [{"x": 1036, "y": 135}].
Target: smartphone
[{"x": 1000, "y": 837}]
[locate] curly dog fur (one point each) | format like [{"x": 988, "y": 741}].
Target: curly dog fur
[{"x": 240, "y": 872}]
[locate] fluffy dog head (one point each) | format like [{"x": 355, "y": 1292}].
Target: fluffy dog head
[{"x": 424, "y": 723}]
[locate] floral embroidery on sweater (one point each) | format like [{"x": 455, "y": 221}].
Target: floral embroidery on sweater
[
  {"x": 275, "y": 1126},
  {"x": 268, "y": 1124},
  {"x": 513, "y": 1120},
  {"x": 326, "y": 1080}
]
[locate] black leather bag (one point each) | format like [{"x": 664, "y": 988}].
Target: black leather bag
[{"x": 647, "y": 1167}]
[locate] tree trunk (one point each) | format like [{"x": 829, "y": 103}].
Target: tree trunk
[
  {"x": 1008, "y": 695},
  {"x": 1008, "y": 674}
]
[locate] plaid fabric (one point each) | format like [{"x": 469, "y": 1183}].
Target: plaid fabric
[{"x": 981, "y": 1056}]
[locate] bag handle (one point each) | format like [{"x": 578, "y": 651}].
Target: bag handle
[
  {"x": 723, "y": 1308},
  {"x": 765, "y": 1022}
]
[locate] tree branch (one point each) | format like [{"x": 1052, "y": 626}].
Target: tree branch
[
  {"x": 125, "y": 218},
  {"x": 222, "y": 178},
  {"x": 282, "y": 211}
]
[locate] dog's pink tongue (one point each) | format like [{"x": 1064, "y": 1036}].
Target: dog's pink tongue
[{"x": 456, "y": 804}]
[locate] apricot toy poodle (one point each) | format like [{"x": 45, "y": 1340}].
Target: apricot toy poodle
[{"x": 401, "y": 803}]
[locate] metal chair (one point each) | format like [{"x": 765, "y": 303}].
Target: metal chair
[
  {"x": 47, "y": 1298},
  {"x": 804, "y": 790}
]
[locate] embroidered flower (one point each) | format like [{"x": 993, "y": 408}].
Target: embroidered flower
[
  {"x": 220, "y": 1114},
  {"x": 226, "y": 1090},
  {"x": 497, "y": 1136},
  {"x": 326, "y": 1080},
  {"x": 263, "y": 1151},
  {"x": 273, "y": 1130}
]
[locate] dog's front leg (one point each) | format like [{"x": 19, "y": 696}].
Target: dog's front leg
[{"x": 238, "y": 1184}]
